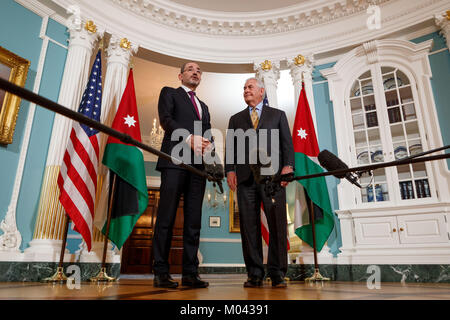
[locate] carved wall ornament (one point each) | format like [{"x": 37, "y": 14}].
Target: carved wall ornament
[
  {"x": 240, "y": 24},
  {"x": 90, "y": 26},
  {"x": 266, "y": 65},
  {"x": 125, "y": 44},
  {"x": 299, "y": 60}
]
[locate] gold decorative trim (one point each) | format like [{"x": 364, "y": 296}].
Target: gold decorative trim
[
  {"x": 266, "y": 65},
  {"x": 51, "y": 214},
  {"x": 125, "y": 44},
  {"x": 90, "y": 26},
  {"x": 9, "y": 107},
  {"x": 299, "y": 60},
  {"x": 448, "y": 15},
  {"x": 234, "y": 214}
]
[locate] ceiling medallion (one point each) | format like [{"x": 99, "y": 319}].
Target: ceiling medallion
[
  {"x": 125, "y": 44},
  {"x": 299, "y": 60},
  {"x": 266, "y": 65},
  {"x": 90, "y": 26}
]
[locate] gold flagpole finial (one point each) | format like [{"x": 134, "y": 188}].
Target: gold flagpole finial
[{"x": 101, "y": 44}]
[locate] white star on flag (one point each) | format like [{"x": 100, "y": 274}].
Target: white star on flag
[
  {"x": 302, "y": 133},
  {"x": 129, "y": 121}
]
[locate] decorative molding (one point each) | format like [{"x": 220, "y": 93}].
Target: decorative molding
[
  {"x": 244, "y": 24},
  {"x": 442, "y": 20},
  {"x": 371, "y": 51},
  {"x": 189, "y": 33}
]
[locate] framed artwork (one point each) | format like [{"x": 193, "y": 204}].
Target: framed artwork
[
  {"x": 214, "y": 222},
  {"x": 234, "y": 213},
  {"x": 14, "y": 69}
]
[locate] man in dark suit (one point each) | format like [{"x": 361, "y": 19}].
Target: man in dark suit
[
  {"x": 272, "y": 123},
  {"x": 181, "y": 109}
]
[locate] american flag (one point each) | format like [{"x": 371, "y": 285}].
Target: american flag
[
  {"x": 77, "y": 179},
  {"x": 265, "y": 229}
]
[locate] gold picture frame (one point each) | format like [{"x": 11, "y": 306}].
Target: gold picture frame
[
  {"x": 234, "y": 213},
  {"x": 14, "y": 69}
]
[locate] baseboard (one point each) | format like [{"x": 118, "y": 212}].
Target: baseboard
[{"x": 38, "y": 271}]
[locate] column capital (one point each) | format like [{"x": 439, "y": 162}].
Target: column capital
[
  {"x": 301, "y": 64},
  {"x": 120, "y": 50},
  {"x": 442, "y": 20},
  {"x": 267, "y": 70},
  {"x": 83, "y": 32}
]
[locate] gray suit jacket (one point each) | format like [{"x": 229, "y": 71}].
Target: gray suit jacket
[{"x": 271, "y": 119}]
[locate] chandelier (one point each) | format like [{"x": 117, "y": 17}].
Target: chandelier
[{"x": 156, "y": 136}]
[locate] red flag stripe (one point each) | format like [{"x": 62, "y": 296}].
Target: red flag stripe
[
  {"x": 303, "y": 122},
  {"x": 87, "y": 150},
  {"x": 76, "y": 196},
  {"x": 80, "y": 166},
  {"x": 265, "y": 229},
  {"x": 76, "y": 216},
  {"x": 264, "y": 226},
  {"x": 68, "y": 171},
  {"x": 81, "y": 144}
]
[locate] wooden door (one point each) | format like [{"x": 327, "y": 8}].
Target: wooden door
[{"x": 137, "y": 251}]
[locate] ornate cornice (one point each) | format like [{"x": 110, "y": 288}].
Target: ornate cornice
[
  {"x": 245, "y": 24},
  {"x": 322, "y": 27}
]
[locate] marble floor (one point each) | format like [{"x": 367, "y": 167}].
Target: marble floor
[{"x": 222, "y": 287}]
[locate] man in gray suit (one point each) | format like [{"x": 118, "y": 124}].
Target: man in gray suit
[{"x": 260, "y": 120}]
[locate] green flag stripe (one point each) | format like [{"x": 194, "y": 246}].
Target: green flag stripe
[
  {"x": 317, "y": 190},
  {"x": 127, "y": 162}
]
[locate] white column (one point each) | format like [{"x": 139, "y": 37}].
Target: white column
[
  {"x": 301, "y": 70},
  {"x": 442, "y": 20},
  {"x": 48, "y": 233},
  {"x": 269, "y": 73},
  {"x": 118, "y": 56}
]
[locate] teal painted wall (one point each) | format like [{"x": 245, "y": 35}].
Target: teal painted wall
[
  {"x": 23, "y": 39},
  {"x": 326, "y": 135}
]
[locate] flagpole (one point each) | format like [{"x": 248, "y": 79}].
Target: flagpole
[
  {"x": 59, "y": 275},
  {"x": 102, "y": 275},
  {"x": 316, "y": 276}
]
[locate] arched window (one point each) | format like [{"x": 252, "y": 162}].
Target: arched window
[{"x": 385, "y": 127}]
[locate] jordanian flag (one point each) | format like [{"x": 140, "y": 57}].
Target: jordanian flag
[
  {"x": 306, "y": 151},
  {"x": 127, "y": 162}
]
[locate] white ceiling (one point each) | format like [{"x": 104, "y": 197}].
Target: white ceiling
[{"x": 239, "y": 5}]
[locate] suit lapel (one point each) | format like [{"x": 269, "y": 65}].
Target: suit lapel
[
  {"x": 264, "y": 115},
  {"x": 246, "y": 118},
  {"x": 187, "y": 100}
]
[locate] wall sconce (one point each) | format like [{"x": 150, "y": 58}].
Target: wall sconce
[
  {"x": 156, "y": 136},
  {"x": 216, "y": 199}
]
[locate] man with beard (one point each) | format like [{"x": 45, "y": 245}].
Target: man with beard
[{"x": 179, "y": 109}]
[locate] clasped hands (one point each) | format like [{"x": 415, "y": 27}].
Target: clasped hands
[{"x": 199, "y": 144}]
